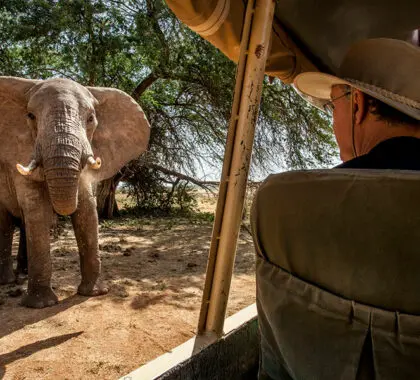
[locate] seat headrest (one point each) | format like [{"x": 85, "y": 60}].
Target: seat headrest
[{"x": 353, "y": 232}]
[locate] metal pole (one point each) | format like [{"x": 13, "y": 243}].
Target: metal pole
[{"x": 249, "y": 80}]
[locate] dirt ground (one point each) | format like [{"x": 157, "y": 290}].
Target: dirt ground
[{"x": 155, "y": 270}]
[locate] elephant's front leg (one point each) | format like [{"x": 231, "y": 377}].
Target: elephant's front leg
[
  {"x": 6, "y": 236},
  {"x": 85, "y": 224},
  {"x": 37, "y": 213}
]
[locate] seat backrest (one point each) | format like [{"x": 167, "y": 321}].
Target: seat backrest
[{"x": 354, "y": 233}]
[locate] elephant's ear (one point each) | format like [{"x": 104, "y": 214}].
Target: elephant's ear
[
  {"x": 16, "y": 141},
  {"x": 122, "y": 133}
]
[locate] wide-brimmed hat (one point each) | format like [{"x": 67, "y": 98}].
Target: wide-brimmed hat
[{"x": 387, "y": 69}]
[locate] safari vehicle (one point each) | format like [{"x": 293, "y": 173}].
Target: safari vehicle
[{"x": 282, "y": 39}]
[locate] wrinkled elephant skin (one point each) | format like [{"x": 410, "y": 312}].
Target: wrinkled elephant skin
[{"x": 57, "y": 139}]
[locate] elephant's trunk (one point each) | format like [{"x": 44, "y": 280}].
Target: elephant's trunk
[
  {"x": 63, "y": 187},
  {"x": 63, "y": 157}
]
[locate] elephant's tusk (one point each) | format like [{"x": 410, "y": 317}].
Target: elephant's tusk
[
  {"x": 94, "y": 164},
  {"x": 26, "y": 170}
]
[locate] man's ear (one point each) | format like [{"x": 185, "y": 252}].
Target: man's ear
[{"x": 360, "y": 106}]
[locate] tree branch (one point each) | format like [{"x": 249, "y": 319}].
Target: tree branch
[
  {"x": 124, "y": 5},
  {"x": 143, "y": 86},
  {"x": 203, "y": 184}
]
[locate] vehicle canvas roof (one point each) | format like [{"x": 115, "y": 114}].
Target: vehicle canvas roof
[{"x": 307, "y": 35}]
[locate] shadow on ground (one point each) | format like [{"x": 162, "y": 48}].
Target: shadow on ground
[
  {"x": 32, "y": 348},
  {"x": 14, "y": 317}
]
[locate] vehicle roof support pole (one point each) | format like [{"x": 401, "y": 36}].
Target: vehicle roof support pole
[{"x": 255, "y": 44}]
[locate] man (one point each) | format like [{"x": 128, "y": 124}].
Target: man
[
  {"x": 375, "y": 103},
  {"x": 337, "y": 251}
]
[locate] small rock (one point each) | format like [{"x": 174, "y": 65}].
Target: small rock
[
  {"x": 191, "y": 265},
  {"x": 154, "y": 254},
  {"x": 60, "y": 252},
  {"x": 112, "y": 247},
  {"x": 128, "y": 251}
]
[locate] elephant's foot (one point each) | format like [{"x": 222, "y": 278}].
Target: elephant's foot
[
  {"x": 92, "y": 289},
  {"x": 6, "y": 274},
  {"x": 39, "y": 298}
]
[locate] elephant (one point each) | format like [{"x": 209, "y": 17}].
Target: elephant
[{"x": 70, "y": 137}]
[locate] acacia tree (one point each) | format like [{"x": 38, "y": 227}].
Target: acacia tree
[{"x": 183, "y": 84}]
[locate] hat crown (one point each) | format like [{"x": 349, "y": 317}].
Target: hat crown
[
  {"x": 387, "y": 64},
  {"x": 386, "y": 69}
]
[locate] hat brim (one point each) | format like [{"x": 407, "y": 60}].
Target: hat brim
[
  {"x": 316, "y": 88},
  {"x": 317, "y": 85}
]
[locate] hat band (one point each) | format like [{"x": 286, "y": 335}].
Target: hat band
[{"x": 386, "y": 93}]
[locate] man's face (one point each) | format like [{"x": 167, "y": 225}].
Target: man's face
[{"x": 342, "y": 123}]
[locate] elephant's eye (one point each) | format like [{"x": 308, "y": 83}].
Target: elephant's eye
[
  {"x": 90, "y": 119},
  {"x": 31, "y": 116}
]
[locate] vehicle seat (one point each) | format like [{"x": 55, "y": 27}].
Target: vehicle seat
[{"x": 338, "y": 274}]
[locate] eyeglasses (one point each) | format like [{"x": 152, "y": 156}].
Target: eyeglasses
[{"x": 329, "y": 106}]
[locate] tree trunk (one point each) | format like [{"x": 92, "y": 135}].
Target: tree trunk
[{"x": 105, "y": 198}]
